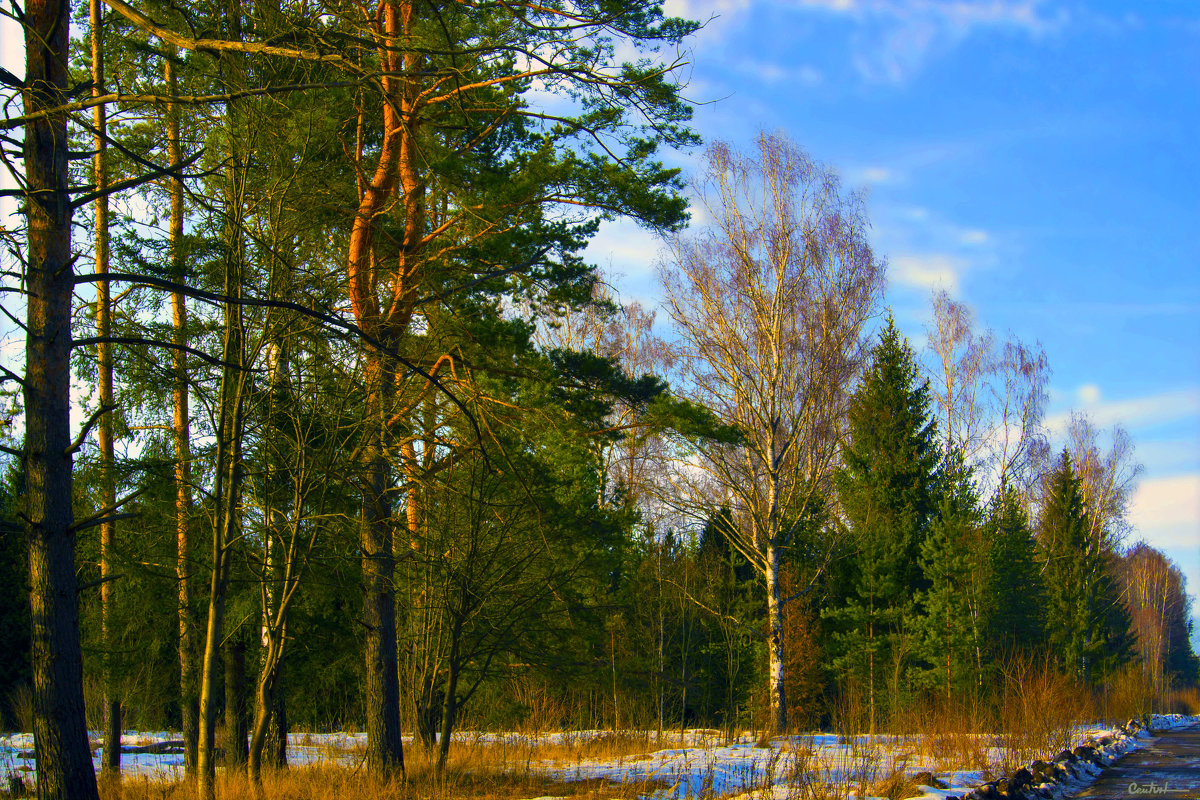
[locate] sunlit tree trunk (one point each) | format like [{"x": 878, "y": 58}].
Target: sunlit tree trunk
[
  {"x": 387, "y": 322},
  {"x": 189, "y": 710},
  {"x": 230, "y": 407},
  {"x": 110, "y": 762}
]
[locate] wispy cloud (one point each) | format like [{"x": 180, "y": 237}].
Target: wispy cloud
[
  {"x": 973, "y": 237},
  {"x": 927, "y": 271},
  {"x": 774, "y": 72},
  {"x": 896, "y": 38},
  {"x": 928, "y": 251},
  {"x": 877, "y": 175},
  {"x": 1088, "y": 394},
  {"x": 630, "y": 251},
  {"x": 1135, "y": 412}
]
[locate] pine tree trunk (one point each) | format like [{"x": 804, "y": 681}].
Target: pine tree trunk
[
  {"x": 385, "y": 755},
  {"x": 64, "y": 760},
  {"x": 110, "y": 760},
  {"x": 189, "y": 696},
  {"x": 274, "y": 753},
  {"x": 449, "y": 711}
]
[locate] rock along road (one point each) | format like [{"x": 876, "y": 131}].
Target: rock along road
[{"x": 1167, "y": 767}]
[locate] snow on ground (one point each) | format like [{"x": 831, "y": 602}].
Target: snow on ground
[{"x": 700, "y": 764}]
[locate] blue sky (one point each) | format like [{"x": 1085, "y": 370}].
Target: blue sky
[{"x": 1038, "y": 160}]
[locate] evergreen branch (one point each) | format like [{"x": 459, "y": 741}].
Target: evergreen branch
[
  {"x": 483, "y": 278},
  {"x": 137, "y": 180},
  {"x": 218, "y": 298}
]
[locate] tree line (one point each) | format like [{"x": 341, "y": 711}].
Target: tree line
[{"x": 366, "y": 442}]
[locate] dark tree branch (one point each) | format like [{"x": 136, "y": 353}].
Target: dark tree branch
[
  {"x": 87, "y": 427},
  {"x": 133, "y": 340},
  {"x": 218, "y": 298}
]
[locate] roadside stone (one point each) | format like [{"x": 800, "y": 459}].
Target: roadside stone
[
  {"x": 928, "y": 779},
  {"x": 1020, "y": 780}
]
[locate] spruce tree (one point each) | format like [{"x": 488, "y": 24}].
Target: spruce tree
[
  {"x": 948, "y": 639},
  {"x": 1087, "y": 627},
  {"x": 1013, "y": 587},
  {"x": 886, "y": 489}
]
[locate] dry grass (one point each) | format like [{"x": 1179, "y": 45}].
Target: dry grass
[
  {"x": 488, "y": 771},
  {"x": 948, "y": 735},
  {"x": 341, "y": 783},
  {"x": 1037, "y": 715},
  {"x": 896, "y": 785},
  {"x": 1184, "y": 701}
]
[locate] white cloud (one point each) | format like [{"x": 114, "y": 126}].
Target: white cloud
[
  {"x": 1088, "y": 394},
  {"x": 928, "y": 271},
  {"x": 877, "y": 175},
  {"x": 956, "y": 15},
  {"x": 717, "y": 16},
  {"x": 12, "y": 46},
  {"x": 702, "y": 9},
  {"x": 974, "y": 237},
  {"x": 12, "y": 58},
  {"x": 771, "y": 72},
  {"x": 1135, "y": 412},
  {"x": 1165, "y": 513},
  {"x": 1168, "y": 509}
]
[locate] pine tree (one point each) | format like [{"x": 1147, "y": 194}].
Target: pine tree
[{"x": 886, "y": 489}]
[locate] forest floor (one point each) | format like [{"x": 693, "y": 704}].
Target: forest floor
[{"x": 603, "y": 764}]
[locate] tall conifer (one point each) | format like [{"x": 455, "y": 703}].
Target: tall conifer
[
  {"x": 1014, "y": 589},
  {"x": 886, "y": 490},
  {"x": 948, "y": 554},
  {"x": 1087, "y": 627}
]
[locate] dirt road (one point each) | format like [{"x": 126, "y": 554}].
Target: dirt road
[{"x": 1167, "y": 767}]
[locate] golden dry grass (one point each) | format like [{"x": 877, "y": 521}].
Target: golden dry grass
[
  {"x": 341, "y": 783},
  {"x": 1184, "y": 701},
  {"x": 504, "y": 771},
  {"x": 896, "y": 785}
]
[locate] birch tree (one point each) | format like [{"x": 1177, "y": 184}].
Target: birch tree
[
  {"x": 769, "y": 302},
  {"x": 963, "y": 362}
]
